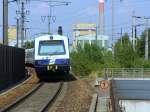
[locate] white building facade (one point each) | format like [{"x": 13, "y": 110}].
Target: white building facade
[{"x": 100, "y": 40}]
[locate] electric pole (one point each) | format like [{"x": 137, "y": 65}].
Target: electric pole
[
  {"x": 135, "y": 35},
  {"x": 25, "y": 33},
  {"x": 22, "y": 23},
  {"x": 133, "y": 31},
  {"x": 5, "y": 22},
  {"x": 113, "y": 23},
  {"x": 121, "y": 36},
  {"x": 146, "y": 40},
  {"x": 23, "y": 14},
  {"x": 96, "y": 34},
  {"x": 17, "y": 30},
  {"x": 49, "y": 23},
  {"x": 49, "y": 18}
]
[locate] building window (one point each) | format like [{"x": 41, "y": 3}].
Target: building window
[
  {"x": 86, "y": 42},
  {"x": 81, "y": 43},
  {"x": 93, "y": 41},
  {"x": 99, "y": 43},
  {"x": 105, "y": 43}
]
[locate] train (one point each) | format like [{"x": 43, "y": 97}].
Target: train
[{"x": 50, "y": 53}]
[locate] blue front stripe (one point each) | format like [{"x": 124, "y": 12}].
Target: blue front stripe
[{"x": 57, "y": 62}]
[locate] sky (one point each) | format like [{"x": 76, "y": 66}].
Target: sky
[{"x": 85, "y": 11}]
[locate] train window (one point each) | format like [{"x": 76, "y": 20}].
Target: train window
[{"x": 51, "y": 47}]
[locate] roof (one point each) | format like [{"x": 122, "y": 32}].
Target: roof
[
  {"x": 84, "y": 25},
  {"x": 56, "y": 37},
  {"x": 133, "y": 89}
]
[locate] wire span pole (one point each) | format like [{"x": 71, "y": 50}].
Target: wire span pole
[
  {"x": 51, "y": 5},
  {"x": 5, "y": 22}
]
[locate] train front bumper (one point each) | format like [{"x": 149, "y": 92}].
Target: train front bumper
[
  {"x": 52, "y": 68},
  {"x": 57, "y": 65}
]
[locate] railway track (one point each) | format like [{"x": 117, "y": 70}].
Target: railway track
[{"x": 37, "y": 100}]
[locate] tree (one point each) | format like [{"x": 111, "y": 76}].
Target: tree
[
  {"x": 28, "y": 45},
  {"x": 124, "y": 53}
]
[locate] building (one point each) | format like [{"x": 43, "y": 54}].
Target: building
[
  {"x": 1, "y": 42},
  {"x": 87, "y": 33},
  {"x": 84, "y": 29},
  {"x": 14, "y": 42},
  {"x": 100, "y": 40},
  {"x": 81, "y": 30},
  {"x": 12, "y": 33}
]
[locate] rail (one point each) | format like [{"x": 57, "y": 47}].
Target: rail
[
  {"x": 16, "y": 102},
  {"x": 39, "y": 105},
  {"x": 51, "y": 101}
]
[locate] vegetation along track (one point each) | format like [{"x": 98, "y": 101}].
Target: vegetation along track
[{"x": 38, "y": 100}]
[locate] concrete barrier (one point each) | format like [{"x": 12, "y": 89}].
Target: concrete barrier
[{"x": 93, "y": 103}]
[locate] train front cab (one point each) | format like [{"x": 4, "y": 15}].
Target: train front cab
[{"x": 52, "y": 54}]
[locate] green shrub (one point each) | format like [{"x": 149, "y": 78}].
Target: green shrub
[
  {"x": 86, "y": 60},
  {"x": 80, "y": 64},
  {"x": 92, "y": 59}
]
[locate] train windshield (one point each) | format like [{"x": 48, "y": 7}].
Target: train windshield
[{"x": 51, "y": 47}]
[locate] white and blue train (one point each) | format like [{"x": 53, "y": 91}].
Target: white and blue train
[{"x": 51, "y": 53}]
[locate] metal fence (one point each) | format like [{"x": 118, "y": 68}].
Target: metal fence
[
  {"x": 123, "y": 73},
  {"x": 12, "y": 68},
  {"x": 127, "y": 72}
]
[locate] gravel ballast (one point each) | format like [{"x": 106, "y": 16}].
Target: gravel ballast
[
  {"x": 11, "y": 95},
  {"x": 78, "y": 97}
]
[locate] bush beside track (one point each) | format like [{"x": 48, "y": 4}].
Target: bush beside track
[{"x": 92, "y": 59}]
